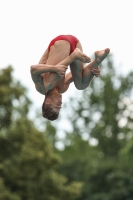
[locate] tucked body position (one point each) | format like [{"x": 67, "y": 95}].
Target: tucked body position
[{"x": 50, "y": 75}]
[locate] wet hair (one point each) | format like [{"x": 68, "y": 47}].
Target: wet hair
[{"x": 48, "y": 113}]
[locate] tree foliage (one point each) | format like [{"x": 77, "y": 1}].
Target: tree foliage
[
  {"x": 28, "y": 163},
  {"x": 96, "y": 163},
  {"x": 104, "y": 115}
]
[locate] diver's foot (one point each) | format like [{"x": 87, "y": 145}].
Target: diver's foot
[
  {"x": 101, "y": 55},
  {"x": 79, "y": 55}
]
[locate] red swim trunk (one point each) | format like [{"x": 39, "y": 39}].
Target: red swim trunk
[{"x": 70, "y": 38}]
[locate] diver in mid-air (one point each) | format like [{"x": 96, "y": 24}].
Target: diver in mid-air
[{"x": 50, "y": 75}]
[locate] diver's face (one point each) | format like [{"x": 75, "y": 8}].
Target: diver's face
[{"x": 55, "y": 101}]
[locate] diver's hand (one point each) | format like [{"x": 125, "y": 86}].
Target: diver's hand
[
  {"x": 61, "y": 70},
  {"x": 96, "y": 71}
]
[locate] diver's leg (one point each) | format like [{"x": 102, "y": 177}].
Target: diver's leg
[{"x": 82, "y": 75}]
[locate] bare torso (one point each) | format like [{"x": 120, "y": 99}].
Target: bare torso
[{"x": 46, "y": 77}]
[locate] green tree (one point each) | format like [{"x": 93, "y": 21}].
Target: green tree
[
  {"x": 105, "y": 114},
  {"x": 103, "y": 108},
  {"x": 5, "y": 194},
  {"x": 28, "y": 163},
  {"x": 12, "y": 93}
]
